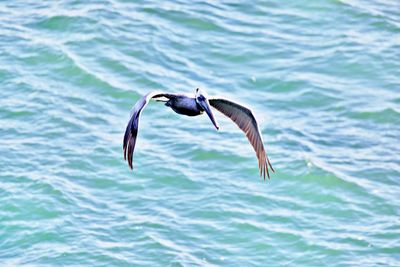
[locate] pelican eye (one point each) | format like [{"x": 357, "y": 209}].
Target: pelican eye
[{"x": 201, "y": 98}]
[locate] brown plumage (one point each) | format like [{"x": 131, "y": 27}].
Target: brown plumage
[{"x": 244, "y": 118}]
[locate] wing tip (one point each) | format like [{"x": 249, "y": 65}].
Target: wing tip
[
  {"x": 270, "y": 165},
  {"x": 130, "y": 153},
  {"x": 264, "y": 169},
  {"x": 129, "y": 146}
]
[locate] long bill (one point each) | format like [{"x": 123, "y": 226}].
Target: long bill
[{"x": 206, "y": 106}]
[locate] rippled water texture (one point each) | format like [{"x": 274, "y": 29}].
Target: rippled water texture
[{"x": 323, "y": 79}]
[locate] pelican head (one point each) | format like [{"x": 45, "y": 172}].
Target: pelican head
[{"x": 202, "y": 101}]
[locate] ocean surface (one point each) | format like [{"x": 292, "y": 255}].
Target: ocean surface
[{"x": 323, "y": 80}]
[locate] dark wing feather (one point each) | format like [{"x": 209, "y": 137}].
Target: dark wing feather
[
  {"x": 133, "y": 124},
  {"x": 244, "y": 118}
]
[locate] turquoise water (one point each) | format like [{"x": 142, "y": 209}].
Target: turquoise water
[{"x": 323, "y": 79}]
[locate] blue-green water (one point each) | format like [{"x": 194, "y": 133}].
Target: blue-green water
[{"x": 323, "y": 78}]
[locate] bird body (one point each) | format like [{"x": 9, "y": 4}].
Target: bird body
[
  {"x": 194, "y": 106},
  {"x": 184, "y": 105}
]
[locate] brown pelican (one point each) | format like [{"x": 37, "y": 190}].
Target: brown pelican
[{"x": 193, "y": 106}]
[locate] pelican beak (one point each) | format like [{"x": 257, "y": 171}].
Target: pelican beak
[{"x": 206, "y": 106}]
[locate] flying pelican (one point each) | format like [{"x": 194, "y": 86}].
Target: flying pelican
[{"x": 194, "y": 106}]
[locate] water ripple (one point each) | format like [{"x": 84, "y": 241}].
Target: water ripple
[{"x": 321, "y": 77}]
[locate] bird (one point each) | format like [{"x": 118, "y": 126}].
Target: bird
[{"x": 193, "y": 106}]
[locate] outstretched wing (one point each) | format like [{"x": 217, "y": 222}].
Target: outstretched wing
[
  {"x": 133, "y": 124},
  {"x": 244, "y": 118}
]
